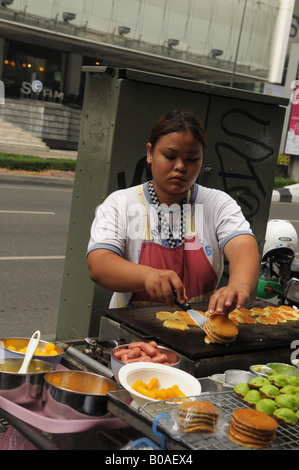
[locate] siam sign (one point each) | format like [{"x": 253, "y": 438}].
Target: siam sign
[{"x": 37, "y": 88}]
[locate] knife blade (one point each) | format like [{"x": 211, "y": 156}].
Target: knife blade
[{"x": 199, "y": 319}]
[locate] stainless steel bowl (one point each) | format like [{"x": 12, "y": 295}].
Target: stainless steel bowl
[
  {"x": 116, "y": 364},
  {"x": 235, "y": 376},
  {"x": 284, "y": 369},
  {"x": 71, "y": 394},
  {"x": 20, "y": 343},
  {"x": 22, "y": 389}
]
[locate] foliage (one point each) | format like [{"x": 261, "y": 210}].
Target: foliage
[{"x": 30, "y": 163}]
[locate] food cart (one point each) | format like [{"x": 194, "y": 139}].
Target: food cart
[{"x": 244, "y": 131}]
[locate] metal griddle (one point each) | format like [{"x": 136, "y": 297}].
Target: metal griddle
[{"x": 191, "y": 343}]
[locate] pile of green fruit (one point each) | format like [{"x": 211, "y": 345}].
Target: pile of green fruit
[{"x": 277, "y": 396}]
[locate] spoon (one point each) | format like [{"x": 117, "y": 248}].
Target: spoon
[{"x": 31, "y": 348}]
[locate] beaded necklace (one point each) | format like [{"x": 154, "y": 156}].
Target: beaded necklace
[{"x": 164, "y": 223}]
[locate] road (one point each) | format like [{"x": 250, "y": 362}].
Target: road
[{"x": 33, "y": 236}]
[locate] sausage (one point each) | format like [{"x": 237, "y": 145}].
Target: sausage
[
  {"x": 140, "y": 359},
  {"x": 137, "y": 344},
  {"x": 124, "y": 357},
  {"x": 119, "y": 353},
  {"x": 134, "y": 353},
  {"x": 160, "y": 358},
  {"x": 153, "y": 343},
  {"x": 150, "y": 350}
]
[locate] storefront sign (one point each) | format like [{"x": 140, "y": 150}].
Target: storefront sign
[
  {"x": 40, "y": 91},
  {"x": 292, "y": 140}
]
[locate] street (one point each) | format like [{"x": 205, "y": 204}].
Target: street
[{"x": 33, "y": 236}]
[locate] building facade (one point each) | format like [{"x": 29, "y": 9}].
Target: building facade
[{"x": 43, "y": 45}]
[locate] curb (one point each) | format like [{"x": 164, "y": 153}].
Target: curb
[
  {"x": 287, "y": 194},
  {"x": 52, "y": 181}
]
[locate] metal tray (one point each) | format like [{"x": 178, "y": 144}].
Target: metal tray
[{"x": 287, "y": 437}]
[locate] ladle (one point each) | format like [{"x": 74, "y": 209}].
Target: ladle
[{"x": 31, "y": 348}]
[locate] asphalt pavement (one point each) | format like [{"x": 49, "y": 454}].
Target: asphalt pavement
[{"x": 287, "y": 194}]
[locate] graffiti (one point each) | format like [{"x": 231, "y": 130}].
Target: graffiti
[
  {"x": 294, "y": 26},
  {"x": 238, "y": 167},
  {"x": 236, "y": 176},
  {"x": 140, "y": 168}
]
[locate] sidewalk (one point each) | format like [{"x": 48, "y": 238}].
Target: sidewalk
[
  {"x": 49, "y": 178},
  {"x": 287, "y": 194}
]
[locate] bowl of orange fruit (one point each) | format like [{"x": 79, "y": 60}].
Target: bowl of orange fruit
[
  {"x": 45, "y": 351},
  {"x": 147, "y": 382}
]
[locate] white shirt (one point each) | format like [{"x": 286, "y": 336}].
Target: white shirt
[{"x": 120, "y": 224}]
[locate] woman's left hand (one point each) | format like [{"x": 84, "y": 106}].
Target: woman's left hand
[
  {"x": 244, "y": 261},
  {"x": 228, "y": 298}
]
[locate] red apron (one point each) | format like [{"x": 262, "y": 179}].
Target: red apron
[{"x": 188, "y": 260}]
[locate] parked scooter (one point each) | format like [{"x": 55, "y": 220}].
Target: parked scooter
[{"x": 279, "y": 274}]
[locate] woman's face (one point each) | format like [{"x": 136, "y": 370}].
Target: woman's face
[{"x": 176, "y": 161}]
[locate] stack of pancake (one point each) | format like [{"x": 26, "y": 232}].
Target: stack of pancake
[
  {"x": 220, "y": 329},
  {"x": 198, "y": 416},
  {"x": 252, "y": 428}
]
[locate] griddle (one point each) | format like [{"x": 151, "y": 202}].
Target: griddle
[{"x": 251, "y": 338}]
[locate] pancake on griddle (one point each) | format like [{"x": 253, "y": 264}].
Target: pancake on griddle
[
  {"x": 198, "y": 416},
  {"x": 164, "y": 316},
  {"x": 272, "y": 309},
  {"x": 244, "y": 311},
  {"x": 252, "y": 428},
  {"x": 176, "y": 325},
  {"x": 258, "y": 311},
  {"x": 220, "y": 329},
  {"x": 181, "y": 315},
  {"x": 288, "y": 309},
  {"x": 267, "y": 320},
  {"x": 246, "y": 319}
]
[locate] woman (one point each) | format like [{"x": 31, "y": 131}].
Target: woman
[{"x": 170, "y": 233}]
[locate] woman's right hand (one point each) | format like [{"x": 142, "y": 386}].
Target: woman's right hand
[{"x": 159, "y": 285}]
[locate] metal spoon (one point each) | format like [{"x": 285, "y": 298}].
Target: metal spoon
[{"x": 31, "y": 348}]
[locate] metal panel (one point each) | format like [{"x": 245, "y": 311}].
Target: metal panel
[{"x": 120, "y": 106}]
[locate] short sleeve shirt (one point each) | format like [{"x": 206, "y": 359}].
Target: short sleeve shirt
[{"x": 119, "y": 223}]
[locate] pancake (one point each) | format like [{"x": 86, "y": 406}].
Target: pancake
[
  {"x": 164, "y": 316},
  {"x": 252, "y": 428},
  {"x": 246, "y": 319},
  {"x": 176, "y": 325},
  {"x": 198, "y": 416},
  {"x": 288, "y": 316},
  {"x": 288, "y": 309},
  {"x": 245, "y": 311},
  {"x": 181, "y": 315},
  {"x": 278, "y": 317},
  {"x": 258, "y": 311},
  {"x": 267, "y": 320},
  {"x": 272, "y": 309},
  {"x": 220, "y": 329}
]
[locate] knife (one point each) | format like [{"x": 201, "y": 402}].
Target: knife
[{"x": 199, "y": 319}]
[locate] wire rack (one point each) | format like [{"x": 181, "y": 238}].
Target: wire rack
[{"x": 287, "y": 437}]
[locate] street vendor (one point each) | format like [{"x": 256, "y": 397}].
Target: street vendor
[{"x": 171, "y": 233}]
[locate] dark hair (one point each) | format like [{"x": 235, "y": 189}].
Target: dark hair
[{"x": 178, "y": 121}]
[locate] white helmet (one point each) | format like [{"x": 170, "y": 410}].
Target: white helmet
[{"x": 280, "y": 235}]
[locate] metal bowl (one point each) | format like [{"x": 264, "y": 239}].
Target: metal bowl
[
  {"x": 71, "y": 394},
  {"x": 284, "y": 369},
  {"x": 20, "y": 343},
  {"x": 116, "y": 364},
  {"x": 256, "y": 370},
  {"x": 235, "y": 376},
  {"x": 22, "y": 389}
]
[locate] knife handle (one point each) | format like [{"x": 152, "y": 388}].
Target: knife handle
[{"x": 185, "y": 306}]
